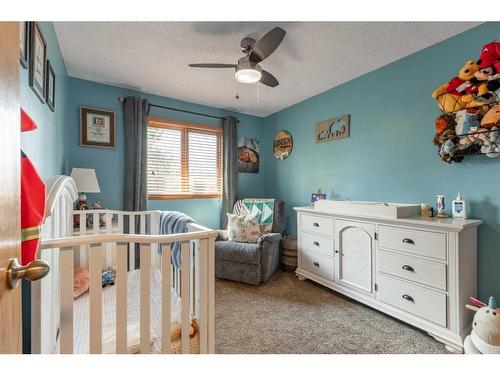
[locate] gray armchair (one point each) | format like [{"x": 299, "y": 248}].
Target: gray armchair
[{"x": 250, "y": 263}]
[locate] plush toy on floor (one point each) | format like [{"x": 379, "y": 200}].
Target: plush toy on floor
[{"x": 485, "y": 335}]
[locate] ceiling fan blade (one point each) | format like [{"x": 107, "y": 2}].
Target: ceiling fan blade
[
  {"x": 210, "y": 65},
  {"x": 266, "y": 45},
  {"x": 268, "y": 79}
]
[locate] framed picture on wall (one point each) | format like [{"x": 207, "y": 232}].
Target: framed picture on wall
[
  {"x": 38, "y": 60},
  {"x": 97, "y": 128},
  {"x": 24, "y": 32},
  {"x": 50, "y": 89}
]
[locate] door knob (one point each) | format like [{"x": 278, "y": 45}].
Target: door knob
[{"x": 33, "y": 271}]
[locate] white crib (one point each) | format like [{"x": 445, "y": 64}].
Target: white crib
[{"x": 104, "y": 243}]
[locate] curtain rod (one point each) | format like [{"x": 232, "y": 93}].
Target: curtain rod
[{"x": 122, "y": 99}]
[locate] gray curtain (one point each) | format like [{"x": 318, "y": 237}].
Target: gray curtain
[
  {"x": 135, "y": 111},
  {"x": 230, "y": 167}
]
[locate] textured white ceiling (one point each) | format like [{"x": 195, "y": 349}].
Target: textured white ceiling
[{"x": 314, "y": 56}]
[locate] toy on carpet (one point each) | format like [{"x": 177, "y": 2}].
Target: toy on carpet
[{"x": 485, "y": 335}]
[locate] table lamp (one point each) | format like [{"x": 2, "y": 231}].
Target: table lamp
[{"x": 86, "y": 182}]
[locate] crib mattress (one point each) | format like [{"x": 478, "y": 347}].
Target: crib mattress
[{"x": 81, "y": 315}]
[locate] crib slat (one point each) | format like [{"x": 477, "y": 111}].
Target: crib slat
[
  {"x": 185, "y": 298},
  {"x": 165, "y": 298},
  {"x": 121, "y": 298},
  {"x": 143, "y": 223},
  {"x": 110, "y": 247},
  {"x": 203, "y": 285},
  {"x": 145, "y": 298},
  {"x": 83, "y": 231},
  {"x": 131, "y": 251},
  {"x": 153, "y": 229},
  {"x": 66, "y": 285},
  {"x": 211, "y": 295},
  {"x": 36, "y": 315},
  {"x": 95, "y": 287}
]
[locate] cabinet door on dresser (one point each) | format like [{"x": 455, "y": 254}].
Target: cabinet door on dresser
[{"x": 355, "y": 248}]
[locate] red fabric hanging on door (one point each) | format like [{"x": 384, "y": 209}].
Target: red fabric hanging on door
[{"x": 32, "y": 200}]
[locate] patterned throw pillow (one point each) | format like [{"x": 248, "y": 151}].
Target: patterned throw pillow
[
  {"x": 244, "y": 228},
  {"x": 263, "y": 208}
]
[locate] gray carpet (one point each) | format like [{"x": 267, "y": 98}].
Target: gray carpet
[{"x": 291, "y": 316}]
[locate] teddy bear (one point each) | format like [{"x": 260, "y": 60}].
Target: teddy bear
[
  {"x": 450, "y": 95},
  {"x": 490, "y": 56},
  {"x": 485, "y": 335}
]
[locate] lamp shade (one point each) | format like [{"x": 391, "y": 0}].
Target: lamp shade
[{"x": 86, "y": 180}]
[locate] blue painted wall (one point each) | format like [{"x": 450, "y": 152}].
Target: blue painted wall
[
  {"x": 46, "y": 145},
  {"x": 109, "y": 163},
  {"x": 389, "y": 155}
]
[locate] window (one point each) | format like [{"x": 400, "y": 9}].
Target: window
[{"x": 184, "y": 160}]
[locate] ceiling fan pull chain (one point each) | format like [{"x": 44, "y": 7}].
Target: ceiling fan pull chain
[{"x": 258, "y": 93}]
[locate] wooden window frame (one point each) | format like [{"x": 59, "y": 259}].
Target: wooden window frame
[{"x": 158, "y": 122}]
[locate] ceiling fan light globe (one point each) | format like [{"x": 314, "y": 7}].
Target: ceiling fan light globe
[{"x": 248, "y": 75}]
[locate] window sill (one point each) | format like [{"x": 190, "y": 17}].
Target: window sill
[{"x": 154, "y": 197}]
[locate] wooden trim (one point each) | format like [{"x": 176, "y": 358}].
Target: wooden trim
[
  {"x": 185, "y": 128},
  {"x": 155, "y": 197},
  {"x": 158, "y": 122}
]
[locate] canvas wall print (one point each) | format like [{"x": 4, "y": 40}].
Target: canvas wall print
[
  {"x": 97, "y": 128},
  {"x": 248, "y": 149}
]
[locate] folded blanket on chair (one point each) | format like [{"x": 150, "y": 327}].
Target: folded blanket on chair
[{"x": 172, "y": 222}]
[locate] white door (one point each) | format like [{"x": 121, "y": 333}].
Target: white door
[{"x": 354, "y": 254}]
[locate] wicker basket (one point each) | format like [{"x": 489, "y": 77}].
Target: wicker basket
[{"x": 288, "y": 256}]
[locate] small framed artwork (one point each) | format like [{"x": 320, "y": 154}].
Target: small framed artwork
[
  {"x": 50, "y": 89},
  {"x": 24, "y": 32},
  {"x": 97, "y": 128},
  {"x": 38, "y": 60}
]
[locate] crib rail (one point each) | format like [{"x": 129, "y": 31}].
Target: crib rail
[
  {"x": 104, "y": 221},
  {"x": 194, "y": 281}
]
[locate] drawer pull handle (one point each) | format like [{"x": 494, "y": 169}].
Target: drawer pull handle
[
  {"x": 408, "y": 241},
  {"x": 316, "y": 264},
  {"x": 408, "y": 298},
  {"x": 408, "y": 268},
  {"x": 316, "y": 225},
  {"x": 316, "y": 243}
]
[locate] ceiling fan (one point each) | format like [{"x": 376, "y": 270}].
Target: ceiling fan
[{"x": 248, "y": 70}]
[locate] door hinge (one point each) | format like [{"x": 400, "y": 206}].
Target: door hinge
[
  {"x": 376, "y": 287},
  {"x": 375, "y": 235}
]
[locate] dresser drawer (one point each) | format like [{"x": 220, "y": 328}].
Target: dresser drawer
[
  {"x": 316, "y": 243},
  {"x": 413, "y": 241},
  {"x": 414, "y": 269},
  {"x": 417, "y": 300},
  {"x": 318, "y": 224},
  {"x": 317, "y": 263}
]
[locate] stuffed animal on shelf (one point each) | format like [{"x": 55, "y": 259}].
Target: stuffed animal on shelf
[
  {"x": 491, "y": 78},
  {"x": 466, "y": 121},
  {"x": 491, "y": 118},
  {"x": 490, "y": 56},
  {"x": 485, "y": 335},
  {"x": 450, "y": 96}
]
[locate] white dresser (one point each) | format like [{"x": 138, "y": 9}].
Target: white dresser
[{"x": 419, "y": 270}]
